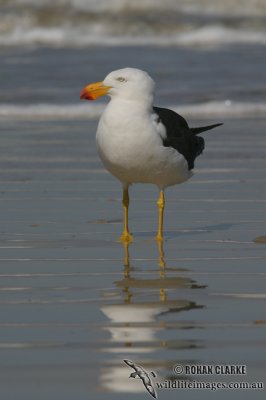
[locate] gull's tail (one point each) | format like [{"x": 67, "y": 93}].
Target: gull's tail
[{"x": 196, "y": 131}]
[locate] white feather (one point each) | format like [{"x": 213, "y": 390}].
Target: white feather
[{"x": 130, "y": 138}]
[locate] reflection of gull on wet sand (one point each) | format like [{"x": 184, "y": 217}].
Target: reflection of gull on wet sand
[
  {"x": 134, "y": 327},
  {"x": 133, "y": 324}
]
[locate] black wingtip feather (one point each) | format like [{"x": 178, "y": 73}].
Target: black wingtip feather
[
  {"x": 200, "y": 129},
  {"x": 180, "y": 136}
]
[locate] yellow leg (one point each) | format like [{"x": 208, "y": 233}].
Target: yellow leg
[
  {"x": 161, "y": 258},
  {"x": 126, "y": 236},
  {"x": 160, "y": 204}
]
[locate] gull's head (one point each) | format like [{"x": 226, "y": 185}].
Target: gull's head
[{"x": 126, "y": 83}]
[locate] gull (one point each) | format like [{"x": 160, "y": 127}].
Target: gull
[
  {"x": 143, "y": 375},
  {"x": 140, "y": 143}
]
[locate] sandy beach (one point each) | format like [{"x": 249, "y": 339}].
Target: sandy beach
[{"x": 72, "y": 306}]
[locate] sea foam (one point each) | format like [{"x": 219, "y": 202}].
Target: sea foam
[
  {"x": 90, "y": 111},
  {"x": 79, "y": 23}
]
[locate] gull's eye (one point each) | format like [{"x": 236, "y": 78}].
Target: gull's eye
[{"x": 121, "y": 79}]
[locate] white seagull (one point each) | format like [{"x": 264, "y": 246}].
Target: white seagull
[{"x": 140, "y": 143}]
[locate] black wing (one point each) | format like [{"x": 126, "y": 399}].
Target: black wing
[{"x": 180, "y": 136}]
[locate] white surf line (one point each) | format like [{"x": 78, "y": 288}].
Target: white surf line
[{"x": 43, "y": 111}]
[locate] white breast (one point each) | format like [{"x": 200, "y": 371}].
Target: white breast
[{"x": 129, "y": 143}]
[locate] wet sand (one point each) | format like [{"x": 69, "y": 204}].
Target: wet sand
[{"x": 75, "y": 303}]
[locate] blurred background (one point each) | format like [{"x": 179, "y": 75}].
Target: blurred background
[
  {"x": 116, "y": 22},
  {"x": 213, "y": 51}
]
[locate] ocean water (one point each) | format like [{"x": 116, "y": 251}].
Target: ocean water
[
  {"x": 73, "y": 301},
  {"x": 213, "y": 52},
  {"x": 119, "y": 22},
  {"x": 44, "y": 82}
]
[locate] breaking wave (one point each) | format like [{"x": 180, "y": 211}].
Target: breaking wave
[
  {"x": 88, "y": 111},
  {"x": 127, "y": 22}
]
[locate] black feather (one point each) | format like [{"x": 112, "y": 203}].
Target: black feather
[
  {"x": 196, "y": 131},
  {"x": 180, "y": 136}
]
